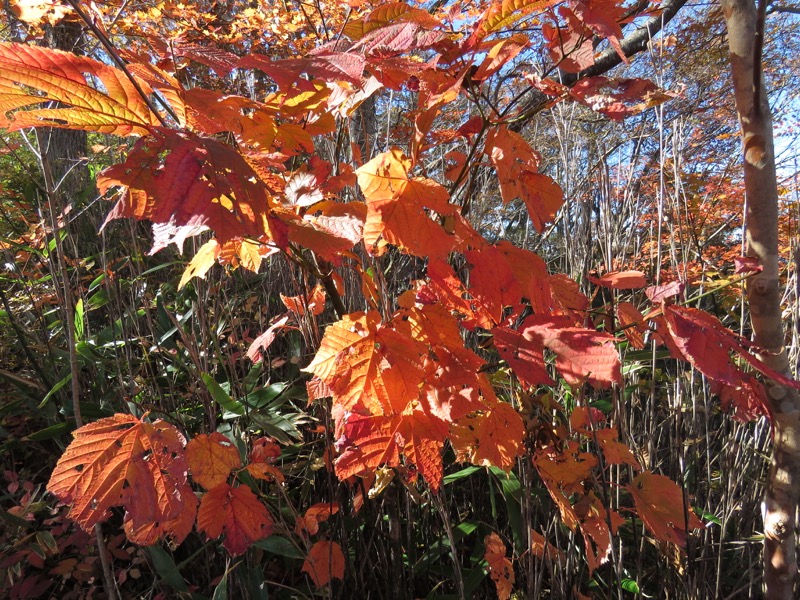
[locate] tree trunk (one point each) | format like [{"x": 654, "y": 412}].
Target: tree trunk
[{"x": 745, "y": 22}]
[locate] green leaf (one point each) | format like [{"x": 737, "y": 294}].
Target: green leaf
[
  {"x": 222, "y": 397},
  {"x": 79, "y": 329},
  {"x": 280, "y": 546},
  {"x": 166, "y": 568},
  {"x": 54, "y": 390},
  {"x": 461, "y": 474}
]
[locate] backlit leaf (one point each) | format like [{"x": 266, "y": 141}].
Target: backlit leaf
[
  {"x": 56, "y": 75},
  {"x": 325, "y": 561},
  {"x": 500, "y": 568},
  {"x": 235, "y": 512},
  {"x": 122, "y": 461},
  {"x": 661, "y": 506},
  {"x": 211, "y": 459}
]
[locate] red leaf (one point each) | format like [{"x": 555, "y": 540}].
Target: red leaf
[
  {"x": 660, "y": 504},
  {"x": 122, "y": 461},
  {"x": 182, "y": 180},
  {"x": 235, "y": 512},
  {"x": 747, "y": 264},
  {"x": 371, "y": 442},
  {"x": 581, "y": 354},
  {"x": 524, "y": 355},
  {"x": 621, "y": 280},
  {"x": 617, "y": 98},
  {"x": 256, "y": 350},
  {"x": 324, "y": 562},
  {"x": 659, "y": 293}
]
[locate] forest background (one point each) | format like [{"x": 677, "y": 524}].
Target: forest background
[{"x": 445, "y": 295}]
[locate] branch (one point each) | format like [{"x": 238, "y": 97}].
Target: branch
[{"x": 631, "y": 45}]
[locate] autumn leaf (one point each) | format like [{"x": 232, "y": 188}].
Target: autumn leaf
[
  {"x": 313, "y": 303},
  {"x": 56, "y": 75},
  {"x": 370, "y": 442},
  {"x": 517, "y": 170},
  {"x": 660, "y": 504},
  {"x": 316, "y": 514},
  {"x": 396, "y": 204},
  {"x": 631, "y": 321},
  {"x": 621, "y": 280},
  {"x": 185, "y": 180},
  {"x": 127, "y": 462},
  {"x": 369, "y": 365},
  {"x": 211, "y": 458},
  {"x": 489, "y": 438},
  {"x": 203, "y": 260},
  {"x": 500, "y": 568},
  {"x": 235, "y": 512},
  {"x": 325, "y": 561}
]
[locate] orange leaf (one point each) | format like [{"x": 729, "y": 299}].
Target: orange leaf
[
  {"x": 324, "y": 562},
  {"x": 316, "y": 514},
  {"x": 122, "y": 461},
  {"x": 313, "y": 303},
  {"x": 489, "y": 438},
  {"x": 211, "y": 458},
  {"x": 235, "y": 512},
  {"x": 660, "y": 504},
  {"x": 633, "y": 322},
  {"x": 516, "y": 166},
  {"x": 371, "y": 442},
  {"x": 621, "y": 280},
  {"x": 500, "y": 568},
  {"x": 56, "y": 75},
  {"x": 369, "y": 365}
]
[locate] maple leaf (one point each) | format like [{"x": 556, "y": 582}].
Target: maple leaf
[
  {"x": 316, "y": 514},
  {"x": 500, "y": 568},
  {"x": 325, "y": 561},
  {"x": 660, "y": 504},
  {"x": 127, "y": 462},
  {"x": 517, "y": 170},
  {"x": 371, "y": 442},
  {"x": 65, "y": 77},
  {"x": 185, "y": 180},
  {"x": 395, "y": 206},
  {"x": 490, "y": 437},
  {"x": 368, "y": 365},
  {"x": 314, "y": 303},
  {"x": 211, "y": 459},
  {"x": 621, "y": 280},
  {"x": 235, "y": 512}
]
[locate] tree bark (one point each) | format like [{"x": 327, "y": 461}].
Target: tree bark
[{"x": 744, "y": 21}]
